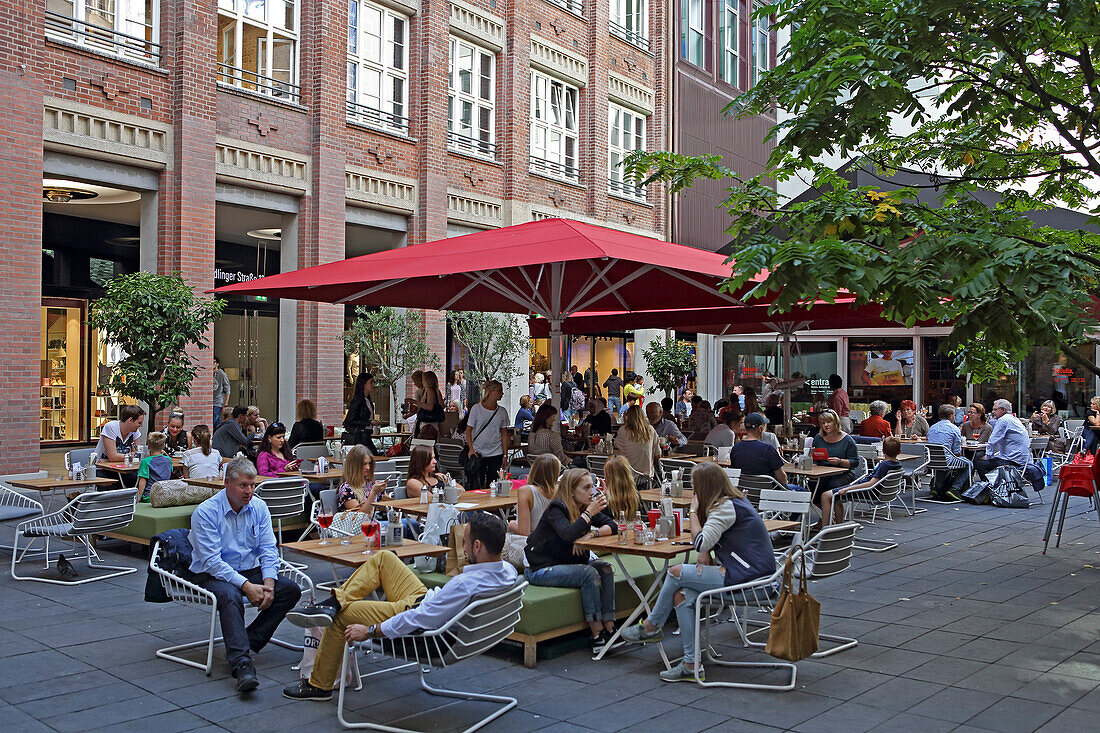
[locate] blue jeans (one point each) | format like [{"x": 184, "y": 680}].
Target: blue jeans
[
  {"x": 596, "y": 581},
  {"x": 238, "y": 638},
  {"x": 615, "y": 404},
  {"x": 217, "y": 418},
  {"x": 693, "y": 580}
]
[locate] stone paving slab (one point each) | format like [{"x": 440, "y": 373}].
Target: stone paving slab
[{"x": 965, "y": 627}]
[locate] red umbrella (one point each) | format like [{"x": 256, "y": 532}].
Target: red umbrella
[{"x": 552, "y": 268}]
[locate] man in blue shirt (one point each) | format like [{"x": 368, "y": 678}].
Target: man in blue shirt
[
  {"x": 947, "y": 434},
  {"x": 408, "y": 606},
  {"x": 1008, "y": 444},
  {"x": 235, "y": 557}
]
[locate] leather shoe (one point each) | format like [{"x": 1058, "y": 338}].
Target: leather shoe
[{"x": 245, "y": 672}]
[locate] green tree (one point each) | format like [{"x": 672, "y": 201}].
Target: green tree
[
  {"x": 390, "y": 345},
  {"x": 494, "y": 343},
  {"x": 154, "y": 319},
  {"x": 668, "y": 361},
  {"x": 960, "y": 99}
]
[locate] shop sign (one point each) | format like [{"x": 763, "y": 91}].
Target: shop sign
[
  {"x": 233, "y": 276},
  {"x": 817, "y": 383}
]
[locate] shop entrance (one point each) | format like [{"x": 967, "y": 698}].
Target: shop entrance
[{"x": 247, "y": 344}]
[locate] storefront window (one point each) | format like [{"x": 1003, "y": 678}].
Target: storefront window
[
  {"x": 602, "y": 353},
  {"x": 1006, "y": 387},
  {"x": 941, "y": 381},
  {"x": 105, "y": 404},
  {"x": 61, "y": 370},
  {"x": 880, "y": 369},
  {"x": 1051, "y": 375},
  {"x": 747, "y": 363}
]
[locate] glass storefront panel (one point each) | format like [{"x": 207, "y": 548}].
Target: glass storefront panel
[
  {"x": 602, "y": 353},
  {"x": 880, "y": 369},
  {"x": 747, "y": 363},
  {"x": 62, "y": 373},
  {"x": 940, "y": 379},
  {"x": 1051, "y": 375}
]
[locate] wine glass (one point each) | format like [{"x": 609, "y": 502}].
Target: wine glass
[
  {"x": 370, "y": 535},
  {"x": 324, "y": 520}
]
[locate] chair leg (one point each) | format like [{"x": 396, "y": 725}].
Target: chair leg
[
  {"x": 753, "y": 666},
  {"x": 114, "y": 570},
  {"x": 169, "y": 652},
  {"x": 1062, "y": 520},
  {"x": 1050, "y": 520}
]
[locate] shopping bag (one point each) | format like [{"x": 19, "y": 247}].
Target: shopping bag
[
  {"x": 456, "y": 556},
  {"x": 310, "y": 644},
  {"x": 796, "y": 618}
]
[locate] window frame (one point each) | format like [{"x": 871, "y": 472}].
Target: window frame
[
  {"x": 121, "y": 40},
  {"x": 558, "y": 165},
  {"x": 729, "y": 58},
  {"x": 392, "y": 113},
  {"x": 617, "y": 184},
  {"x": 619, "y": 21},
  {"x": 475, "y": 144},
  {"x": 686, "y": 31},
  {"x": 758, "y": 27},
  {"x": 260, "y": 80}
]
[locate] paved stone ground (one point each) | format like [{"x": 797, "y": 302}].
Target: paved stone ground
[{"x": 965, "y": 627}]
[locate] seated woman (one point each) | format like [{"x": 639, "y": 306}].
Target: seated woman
[
  {"x": 842, "y": 453},
  {"x": 622, "y": 494},
  {"x": 545, "y": 436},
  {"x": 274, "y": 457},
  {"x": 977, "y": 427},
  {"x": 910, "y": 424},
  {"x": 891, "y": 448},
  {"x": 552, "y": 560},
  {"x": 1047, "y": 421},
  {"x": 202, "y": 461},
  {"x": 422, "y": 473},
  {"x": 177, "y": 440},
  {"x": 524, "y": 414},
  {"x": 637, "y": 441},
  {"x": 256, "y": 425},
  {"x": 875, "y": 426},
  {"x": 354, "y": 494},
  {"x": 307, "y": 428},
  {"x": 723, "y": 522},
  {"x": 533, "y": 497}
]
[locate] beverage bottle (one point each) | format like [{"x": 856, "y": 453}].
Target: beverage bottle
[
  {"x": 639, "y": 531},
  {"x": 622, "y": 528}
]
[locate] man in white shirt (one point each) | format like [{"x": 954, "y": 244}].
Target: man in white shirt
[
  {"x": 408, "y": 606},
  {"x": 722, "y": 435},
  {"x": 120, "y": 436}
]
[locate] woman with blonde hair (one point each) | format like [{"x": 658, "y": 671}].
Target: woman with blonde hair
[
  {"x": 622, "y": 493},
  {"x": 354, "y": 495},
  {"x": 724, "y": 523},
  {"x": 430, "y": 405},
  {"x": 575, "y": 512},
  {"x": 637, "y": 441},
  {"x": 841, "y": 452},
  {"x": 533, "y": 497}
]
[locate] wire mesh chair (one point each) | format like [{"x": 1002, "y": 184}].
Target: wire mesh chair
[
  {"x": 784, "y": 504},
  {"x": 476, "y": 628},
  {"x": 285, "y": 499},
  {"x": 916, "y": 471},
  {"x": 448, "y": 454},
  {"x": 872, "y": 499},
  {"x": 184, "y": 591},
  {"x": 668, "y": 465},
  {"x": 752, "y": 486},
  {"x": 91, "y": 513},
  {"x": 14, "y": 505},
  {"x": 595, "y": 464}
]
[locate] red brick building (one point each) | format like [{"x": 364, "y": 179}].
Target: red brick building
[{"x": 226, "y": 139}]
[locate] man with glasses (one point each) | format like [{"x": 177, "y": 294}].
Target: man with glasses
[{"x": 1008, "y": 445}]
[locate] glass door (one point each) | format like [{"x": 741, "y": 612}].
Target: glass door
[{"x": 247, "y": 344}]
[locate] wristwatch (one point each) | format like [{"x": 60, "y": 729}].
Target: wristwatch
[{"x": 371, "y": 631}]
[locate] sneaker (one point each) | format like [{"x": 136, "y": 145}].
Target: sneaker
[
  {"x": 302, "y": 690},
  {"x": 953, "y": 495},
  {"x": 247, "y": 681},
  {"x": 597, "y": 643},
  {"x": 680, "y": 673},
  {"x": 312, "y": 615},
  {"x": 636, "y": 634}
]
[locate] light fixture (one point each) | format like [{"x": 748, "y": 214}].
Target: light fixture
[
  {"x": 65, "y": 194},
  {"x": 268, "y": 234}
]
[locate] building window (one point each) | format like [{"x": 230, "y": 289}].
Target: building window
[
  {"x": 626, "y": 133},
  {"x": 729, "y": 41},
  {"x": 470, "y": 117},
  {"x": 761, "y": 46},
  {"x": 630, "y": 21},
  {"x": 576, "y": 7},
  {"x": 124, "y": 27},
  {"x": 378, "y": 66},
  {"x": 258, "y": 46},
  {"x": 692, "y": 31},
  {"x": 553, "y": 127}
]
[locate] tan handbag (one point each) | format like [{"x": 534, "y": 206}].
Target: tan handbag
[
  {"x": 796, "y": 619},
  {"x": 456, "y": 556}
]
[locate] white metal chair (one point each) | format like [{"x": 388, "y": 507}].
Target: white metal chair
[
  {"x": 752, "y": 486},
  {"x": 1073, "y": 424},
  {"x": 448, "y": 455},
  {"x": 413, "y": 442},
  {"x": 478, "y": 627},
  {"x": 184, "y": 591},
  {"x": 939, "y": 461},
  {"x": 880, "y": 496},
  {"x": 14, "y": 505},
  {"x": 668, "y": 465},
  {"x": 285, "y": 499},
  {"x": 397, "y": 463},
  {"x": 915, "y": 472},
  {"x": 1039, "y": 445},
  {"x": 91, "y": 513},
  {"x": 595, "y": 464},
  {"x": 776, "y": 503},
  {"x": 308, "y": 453},
  {"x": 83, "y": 456}
]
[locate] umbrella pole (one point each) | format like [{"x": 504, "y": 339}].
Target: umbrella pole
[
  {"x": 555, "y": 361},
  {"x": 786, "y": 376}
]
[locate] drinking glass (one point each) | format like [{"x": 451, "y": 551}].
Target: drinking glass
[
  {"x": 370, "y": 536},
  {"x": 324, "y": 520}
]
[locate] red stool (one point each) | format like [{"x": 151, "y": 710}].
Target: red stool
[{"x": 1074, "y": 479}]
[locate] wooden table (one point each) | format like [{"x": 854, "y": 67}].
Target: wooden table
[
  {"x": 123, "y": 469},
  {"x": 329, "y": 476},
  {"x": 351, "y": 555},
  {"x": 49, "y": 486},
  {"x": 209, "y": 483},
  {"x": 480, "y": 502},
  {"x": 654, "y": 496},
  {"x": 815, "y": 471},
  {"x": 974, "y": 447},
  {"x": 664, "y": 552}
]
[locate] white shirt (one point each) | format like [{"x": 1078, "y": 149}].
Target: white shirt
[
  {"x": 440, "y": 606},
  {"x": 720, "y": 436},
  {"x": 114, "y": 432},
  {"x": 200, "y": 466},
  {"x": 487, "y": 442}
]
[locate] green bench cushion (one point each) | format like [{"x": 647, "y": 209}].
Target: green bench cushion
[
  {"x": 149, "y": 521},
  {"x": 546, "y": 609}
]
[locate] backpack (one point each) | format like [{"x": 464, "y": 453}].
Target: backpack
[
  {"x": 1007, "y": 489},
  {"x": 576, "y": 401}
]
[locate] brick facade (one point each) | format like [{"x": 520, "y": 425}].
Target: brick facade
[{"x": 179, "y": 94}]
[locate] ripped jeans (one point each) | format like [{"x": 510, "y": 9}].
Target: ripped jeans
[
  {"x": 596, "y": 581},
  {"x": 693, "y": 580}
]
